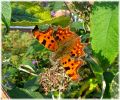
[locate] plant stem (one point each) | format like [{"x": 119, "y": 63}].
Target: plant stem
[{"x": 69, "y": 10}]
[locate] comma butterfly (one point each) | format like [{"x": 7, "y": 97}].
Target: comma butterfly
[{"x": 66, "y": 45}]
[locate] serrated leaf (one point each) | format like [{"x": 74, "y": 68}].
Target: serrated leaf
[{"x": 104, "y": 29}]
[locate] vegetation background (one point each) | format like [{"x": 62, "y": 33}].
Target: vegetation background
[{"x": 23, "y": 58}]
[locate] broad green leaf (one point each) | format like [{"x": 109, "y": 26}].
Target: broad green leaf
[
  {"x": 32, "y": 84},
  {"x": 18, "y": 93},
  {"x": 62, "y": 20},
  {"x": 6, "y": 14},
  {"x": 104, "y": 29},
  {"x": 23, "y": 93}
]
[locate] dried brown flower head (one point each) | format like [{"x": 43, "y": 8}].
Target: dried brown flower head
[{"x": 54, "y": 78}]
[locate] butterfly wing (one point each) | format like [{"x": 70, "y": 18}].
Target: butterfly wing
[
  {"x": 46, "y": 38},
  {"x": 71, "y": 66},
  {"x": 64, "y": 34},
  {"x": 72, "y": 61},
  {"x": 77, "y": 48}
]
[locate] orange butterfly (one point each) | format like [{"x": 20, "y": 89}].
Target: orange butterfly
[{"x": 66, "y": 45}]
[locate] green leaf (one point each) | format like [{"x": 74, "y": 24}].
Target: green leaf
[
  {"x": 18, "y": 93},
  {"x": 29, "y": 11},
  {"x": 30, "y": 51},
  {"x": 108, "y": 76},
  {"x": 12, "y": 70},
  {"x": 58, "y": 6},
  {"x": 6, "y": 14},
  {"x": 97, "y": 70},
  {"x": 23, "y": 93},
  {"x": 104, "y": 29},
  {"x": 35, "y": 47},
  {"x": 32, "y": 84},
  {"x": 62, "y": 20},
  {"x": 27, "y": 62},
  {"x": 77, "y": 25}
]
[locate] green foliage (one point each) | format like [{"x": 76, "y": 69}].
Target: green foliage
[
  {"x": 114, "y": 87},
  {"x": 6, "y": 14},
  {"x": 55, "y": 21},
  {"x": 14, "y": 46},
  {"x": 97, "y": 70},
  {"x": 29, "y": 11},
  {"x": 58, "y": 5},
  {"x": 77, "y": 25},
  {"x": 32, "y": 84},
  {"x": 23, "y": 93},
  {"x": 23, "y": 58},
  {"x": 17, "y": 42},
  {"x": 108, "y": 76},
  {"x": 104, "y": 29}
]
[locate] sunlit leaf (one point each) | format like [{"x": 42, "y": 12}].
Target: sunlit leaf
[
  {"x": 104, "y": 29},
  {"x": 62, "y": 20},
  {"x": 6, "y": 14}
]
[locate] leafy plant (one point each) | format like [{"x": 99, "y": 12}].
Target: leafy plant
[
  {"x": 104, "y": 32},
  {"x": 25, "y": 61},
  {"x": 6, "y": 14},
  {"x": 32, "y": 12}
]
